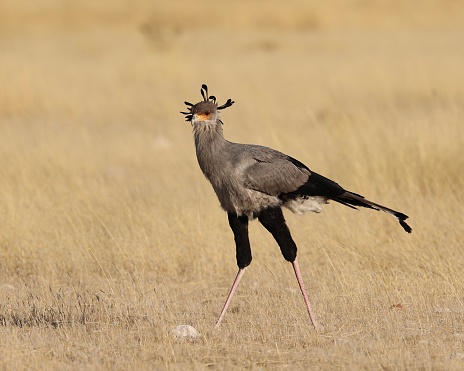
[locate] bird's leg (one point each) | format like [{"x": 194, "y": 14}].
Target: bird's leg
[
  {"x": 229, "y": 297},
  {"x": 239, "y": 225},
  {"x": 296, "y": 268},
  {"x": 273, "y": 220}
]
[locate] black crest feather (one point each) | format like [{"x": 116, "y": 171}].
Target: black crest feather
[
  {"x": 226, "y": 104},
  {"x": 204, "y": 92}
]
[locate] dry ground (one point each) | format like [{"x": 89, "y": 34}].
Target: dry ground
[{"x": 110, "y": 236}]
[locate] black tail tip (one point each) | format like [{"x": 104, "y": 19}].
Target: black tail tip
[
  {"x": 401, "y": 218},
  {"x": 405, "y": 226}
]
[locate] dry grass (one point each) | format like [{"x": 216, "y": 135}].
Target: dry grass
[{"x": 110, "y": 236}]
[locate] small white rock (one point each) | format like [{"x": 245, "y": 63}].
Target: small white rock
[{"x": 185, "y": 332}]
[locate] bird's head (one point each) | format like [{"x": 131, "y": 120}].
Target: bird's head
[{"x": 206, "y": 110}]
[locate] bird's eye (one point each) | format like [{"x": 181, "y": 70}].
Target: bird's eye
[{"x": 207, "y": 113}]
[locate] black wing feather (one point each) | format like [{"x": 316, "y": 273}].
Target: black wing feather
[{"x": 317, "y": 185}]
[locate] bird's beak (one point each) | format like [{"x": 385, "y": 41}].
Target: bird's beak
[{"x": 196, "y": 117}]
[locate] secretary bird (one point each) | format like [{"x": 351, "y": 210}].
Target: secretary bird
[{"x": 253, "y": 181}]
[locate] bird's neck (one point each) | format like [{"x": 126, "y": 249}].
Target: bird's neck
[{"x": 210, "y": 144}]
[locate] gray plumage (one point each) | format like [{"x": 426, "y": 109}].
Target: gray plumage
[{"x": 248, "y": 178}]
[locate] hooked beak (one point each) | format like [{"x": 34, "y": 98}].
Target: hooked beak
[{"x": 202, "y": 117}]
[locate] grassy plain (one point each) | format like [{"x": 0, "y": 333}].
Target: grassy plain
[{"x": 110, "y": 236}]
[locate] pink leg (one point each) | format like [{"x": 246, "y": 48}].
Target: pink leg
[
  {"x": 296, "y": 268},
  {"x": 229, "y": 297}
]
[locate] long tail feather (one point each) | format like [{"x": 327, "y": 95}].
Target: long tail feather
[{"x": 353, "y": 200}]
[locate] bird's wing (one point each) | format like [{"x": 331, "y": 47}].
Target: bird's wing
[{"x": 275, "y": 173}]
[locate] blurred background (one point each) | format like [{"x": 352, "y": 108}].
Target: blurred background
[
  {"x": 368, "y": 93},
  {"x": 100, "y": 189}
]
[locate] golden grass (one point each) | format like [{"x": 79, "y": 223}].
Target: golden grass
[{"x": 110, "y": 236}]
